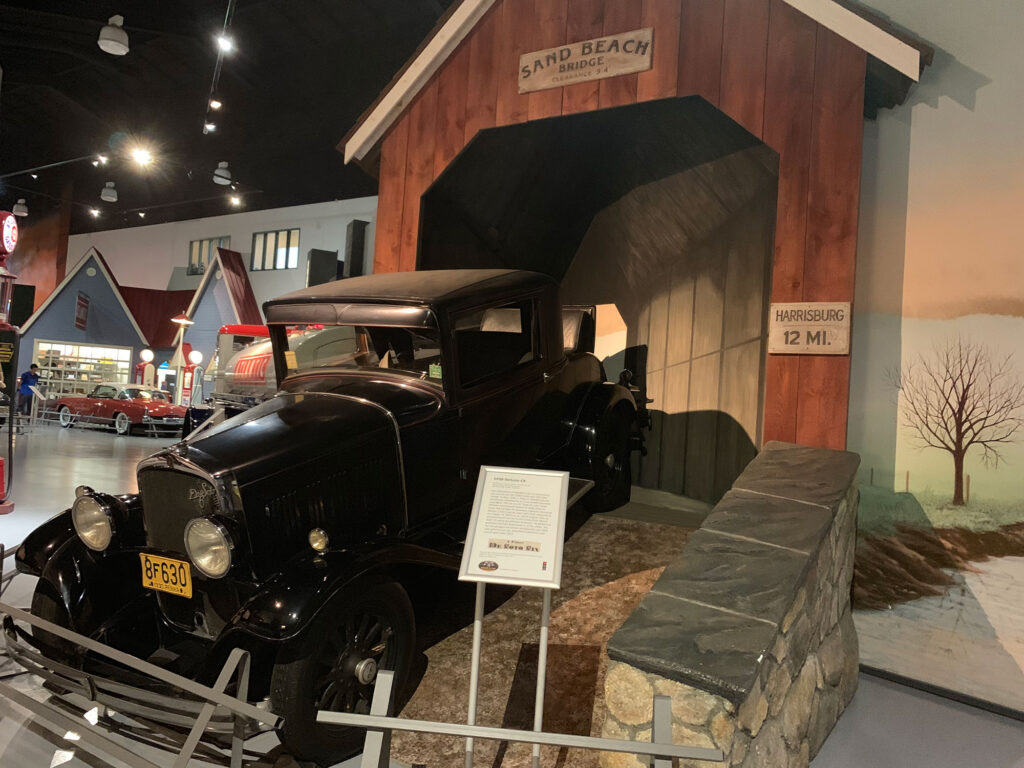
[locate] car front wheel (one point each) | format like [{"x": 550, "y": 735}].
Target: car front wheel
[
  {"x": 64, "y": 417},
  {"x": 122, "y": 424},
  {"x": 333, "y": 667}
]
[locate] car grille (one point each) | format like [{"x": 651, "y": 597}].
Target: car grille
[{"x": 169, "y": 500}]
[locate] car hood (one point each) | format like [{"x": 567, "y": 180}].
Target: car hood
[
  {"x": 409, "y": 400},
  {"x": 287, "y": 432}
]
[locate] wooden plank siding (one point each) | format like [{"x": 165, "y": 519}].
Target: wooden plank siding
[
  {"x": 619, "y": 16},
  {"x": 830, "y": 252},
  {"x": 551, "y": 21},
  {"x": 659, "y": 82},
  {"x": 585, "y": 21},
  {"x": 789, "y": 101},
  {"x": 796, "y": 85}
]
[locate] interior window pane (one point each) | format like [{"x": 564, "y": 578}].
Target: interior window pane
[
  {"x": 281, "y": 260},
  {"x": 257, "y": 251}
]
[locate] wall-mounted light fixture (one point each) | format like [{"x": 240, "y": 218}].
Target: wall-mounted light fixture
[
  {"x": 108, "y": 194},
  {"x": 222, "y": 175},
  {"x": 19, "y": 208}
]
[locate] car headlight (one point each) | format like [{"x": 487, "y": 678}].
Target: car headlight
[
  {"x": 93, "y": 522},
  {"x": 208, "y": 546}
]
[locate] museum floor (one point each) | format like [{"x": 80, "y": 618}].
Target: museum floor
[{"x": 605, "y": 575}]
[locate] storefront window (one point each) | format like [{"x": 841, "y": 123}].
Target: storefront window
[
  {"x": 76, "y": 369},
  {"x": 275, "y": 250}
]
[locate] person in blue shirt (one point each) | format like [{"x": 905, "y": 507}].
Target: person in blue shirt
[{"x": 28, "y": 379}]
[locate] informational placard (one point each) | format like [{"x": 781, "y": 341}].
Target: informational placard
[
  {"x": 809, "y": 328},
  {"x": 595, "y": 59},
  {"x": 516, "y": 529}
]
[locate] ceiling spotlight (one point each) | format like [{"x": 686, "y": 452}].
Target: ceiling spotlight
[
  {"x": 101, "y": 159},
  {"x": 108, "y": 194},
  {"x": 222, "y": 175},
  {"x": 113, "y": 39},
  {"x": 20, "y": 209},
  {"x": 34, "y": 175},
  {"x": 95, "y": 163},
  {"x": 215, "y": 104},
  {"x": 209, "y": 127},
  {"x": 225, "y": 43},
  {"x": 94, "y": 212},
  {"x": 236, "y": 200},
  {"x": 142, "y": 156},
  {"x": 142, "y": 214}
]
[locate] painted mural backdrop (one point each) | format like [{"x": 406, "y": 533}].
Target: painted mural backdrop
[{"x": 937, "y": 391}]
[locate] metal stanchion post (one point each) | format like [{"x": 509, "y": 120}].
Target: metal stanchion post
[
  {"x": 542, "y": 668},
  {"x": 474, "y": 669}
]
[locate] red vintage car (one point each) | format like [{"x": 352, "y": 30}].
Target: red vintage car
[{"x": 125, "y": 407}]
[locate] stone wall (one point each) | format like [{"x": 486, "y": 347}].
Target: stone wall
[{"x": 749, "y": 632}]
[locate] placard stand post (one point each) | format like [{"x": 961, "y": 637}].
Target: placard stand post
[
  {"x": 515, "y": 538},
  {"x": 542, "y": 668}
]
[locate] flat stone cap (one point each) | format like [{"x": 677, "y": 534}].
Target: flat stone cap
[{"x": 715, "y": 612}]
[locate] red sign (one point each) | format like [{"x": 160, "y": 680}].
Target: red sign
[
  {"x": 82, "y": 312},
  {"x": 9, "y": 236}
]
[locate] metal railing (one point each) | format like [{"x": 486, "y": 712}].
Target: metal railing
[{"x": 201, "y": 707}]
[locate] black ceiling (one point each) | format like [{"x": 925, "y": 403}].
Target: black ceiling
[{"x": 304, "y": 70}]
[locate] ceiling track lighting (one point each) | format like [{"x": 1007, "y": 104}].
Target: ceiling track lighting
[
  {"x": 209, "y": 127},
  {"x": 216, "y": 104},
  {"x": 113, "y": 39},
  {"x": 224, "y": 43},
  {"x": 108, "y": 194},
  {"x": 20, "y": 209},
  {"x": 222, "y": 175},
  {"x": 235, "y": 200},
  {"x": 94, "y": 212}
]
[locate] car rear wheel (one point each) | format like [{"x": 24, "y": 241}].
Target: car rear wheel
[
  {"x": 610, "y": 465},
  {"x": 64, "y": 417},
  {"x": 333, "y": 666},
  {"x": 122, "y": 424}
]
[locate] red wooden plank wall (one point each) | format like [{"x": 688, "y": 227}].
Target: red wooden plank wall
[{"x": 796, "y": 85}]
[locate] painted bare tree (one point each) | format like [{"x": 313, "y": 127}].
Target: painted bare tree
[{"x": 957, "y": 397}]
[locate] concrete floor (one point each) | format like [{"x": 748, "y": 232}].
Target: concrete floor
[{"x": 887, "y": 724}]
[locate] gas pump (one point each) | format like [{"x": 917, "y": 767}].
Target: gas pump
[
  {"x": 145, "y": 371},
  {"x": 10, "y": 337}
]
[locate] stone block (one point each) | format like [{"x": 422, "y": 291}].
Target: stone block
[
  {"x": 796, "y": 710},
  {"x": 794, "y": 610},
  {"x": 800, "y": 758},
  {"x": 628, "y": 694},
  {"x": 722, "y": 729},
  {"x": 689, "y": 705},
  {"x": 778, "y": 683},
  {"x": 799, "y": 640},
  {"x": 620, "y": 760},
  {"x": 785, "y": 523},
  {"x": 695, "y": 644},
  {"x": 812, "y": 475},
  {"x": 769, "y": 748},
  {"x": 753, "y": 711},
  {"x": 830, "y": 654},
  {"x": 740, "y": 575},
  {"x": 823, "y": 718}
]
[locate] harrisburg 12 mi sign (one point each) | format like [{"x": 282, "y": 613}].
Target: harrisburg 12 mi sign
[{"x": 595, "y": 59}]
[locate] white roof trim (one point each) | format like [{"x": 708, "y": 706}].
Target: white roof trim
[
  {"x": 201, "y": 289},
  {"x": 845, "y": 23},
  {"x": 93, "y": 254},
  {"x": 862, "y": 33},
  {"x": 401, "y": 94}
]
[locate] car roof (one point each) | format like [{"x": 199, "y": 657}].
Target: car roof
[{"x": 434, "y": 287}]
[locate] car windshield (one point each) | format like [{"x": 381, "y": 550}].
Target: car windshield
[
  {"x": 146, "y": 394},
  {"x": 412, "y": 351}
]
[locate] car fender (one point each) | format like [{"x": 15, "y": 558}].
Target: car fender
[
  {"x": 600, "y": 399},
  {"x": 284, "y": 606},
  {"x": 40, "y": 545},
  {"x": 91, "y": 586}
]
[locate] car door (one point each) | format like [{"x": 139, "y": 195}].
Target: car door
[
  {"x": 499, "y": 380},
  {"x": 101, "y": 409}
]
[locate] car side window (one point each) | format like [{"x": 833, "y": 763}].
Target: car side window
[
  {"x": 494, "y": 340},
  {"x": 103, "y": 393},
  {"x": 123, "y": 395}
]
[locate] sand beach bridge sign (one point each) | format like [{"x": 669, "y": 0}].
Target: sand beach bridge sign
[{"x": 620, "y": 54}]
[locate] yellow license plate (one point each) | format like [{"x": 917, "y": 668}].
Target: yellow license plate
[{"x": 166, "y": 574}]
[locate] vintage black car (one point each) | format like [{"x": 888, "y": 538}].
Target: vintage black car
[{"x": 291, "y": 529}]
